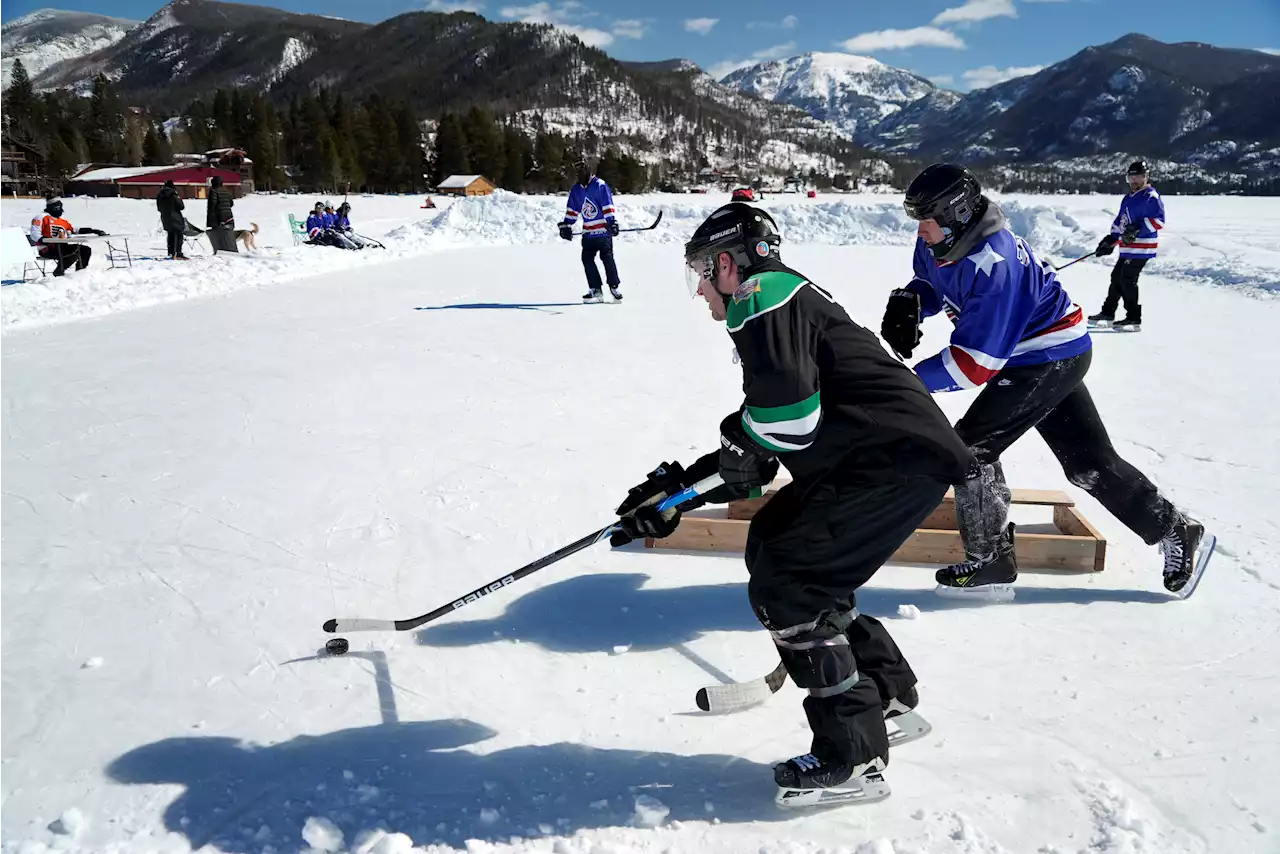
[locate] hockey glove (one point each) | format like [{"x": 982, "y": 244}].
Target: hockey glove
[
  {"x": 744, "y": 465},
  {"x": 901, "y": 325},
  {"x": 566, "y": 231},
  {"x": 613, "y": 228},
  {"x": 1107, "y": 245},
  {"x": 640, "y": 516},
  {"x": 1130, "y": 233}
]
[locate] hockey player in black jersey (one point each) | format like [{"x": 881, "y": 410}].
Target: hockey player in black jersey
[{"x": 870, "y": 456}]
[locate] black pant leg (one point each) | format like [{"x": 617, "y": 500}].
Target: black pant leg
[
  {"x": 1075, "y": 433},
  {"x": 606, "y": 258},
  {"x": 1130, "y": 269},
  {"x": 1114, "y": 290},
  {"x": 590, "y": 246},
  {"x": 82, "y": 256},
  {"x": 807, "y": 553}
]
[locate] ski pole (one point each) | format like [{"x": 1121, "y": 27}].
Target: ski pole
[
  {"x": 359, "y": 624},
  {"x": 1058, "y": 269}
]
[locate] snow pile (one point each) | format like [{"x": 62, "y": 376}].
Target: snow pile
[
  {"x": 322, "y": 834},
  {"x": 71, "y": 823}
]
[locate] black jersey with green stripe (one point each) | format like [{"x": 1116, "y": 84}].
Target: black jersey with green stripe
[{"x": 824, "y": 395}]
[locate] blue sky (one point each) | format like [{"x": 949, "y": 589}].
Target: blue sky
[{"x": 961, "y": 44}]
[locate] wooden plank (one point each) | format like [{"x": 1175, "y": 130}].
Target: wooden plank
[
  {"x": 747, "y": 508},
  {"x": 1069, "y": 520},
  {"x": 925, "y": 545}
]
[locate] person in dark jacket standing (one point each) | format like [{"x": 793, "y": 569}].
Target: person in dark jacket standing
[
  {"x": 169, "y": 203},
  {"x": 220, "y": 220},
  {"x": 870, "y": 456}
]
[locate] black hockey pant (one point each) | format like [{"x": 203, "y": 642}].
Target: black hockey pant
[
  {"x": 807, "y": 553},
  {"x": 1124, "y": 285},
  {"x": 1053, "y": 399},
  {"x": 604, "y": 246},
  {"x": 67, "y": 254}
]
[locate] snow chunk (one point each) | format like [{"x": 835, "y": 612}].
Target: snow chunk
[
  {"x": 876, "y": 846},
  {"x": 71, "y": 823},
  {"x": 650, "y": 812},
  {"x": 621, "y": 648},
  {"x": 908, "y": 612},
  {"x": 489, "y": 815},
  {"x": 95, "y": 662},
  {"x": 322, "y": 834}
]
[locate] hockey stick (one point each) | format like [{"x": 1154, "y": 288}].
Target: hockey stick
[
  {"x": 1058, "y": 269},
  {"x": 649, "y": 227},
  {"x": 735, "y": 696},
  {"x": 357, "y": 624},
  {"x": 368, "y": 239}
]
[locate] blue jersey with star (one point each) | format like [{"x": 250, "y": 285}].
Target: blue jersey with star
[
  {"x": 594, "y": 203},
  {"x": 1008, "y": 309}
]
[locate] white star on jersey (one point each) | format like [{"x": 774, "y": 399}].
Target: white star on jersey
[{"x": 986, "y": 259}]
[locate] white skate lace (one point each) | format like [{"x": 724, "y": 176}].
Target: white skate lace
[{"x": 1173, "y": 552}]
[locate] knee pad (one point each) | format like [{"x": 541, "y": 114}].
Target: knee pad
[{"x": 818, "y": 656}]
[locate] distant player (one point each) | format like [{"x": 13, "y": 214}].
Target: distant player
[
  {"x": 51, "y": 236},
  {"x": 1137, "y": 229},
  {"x": 1018, "y": 335},
  {"x": 592, "y": 200}
]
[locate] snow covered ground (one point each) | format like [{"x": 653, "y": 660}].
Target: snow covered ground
[{"x": 192, "y": 488}]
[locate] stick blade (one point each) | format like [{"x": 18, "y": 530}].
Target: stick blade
[
  {"x": 354, "y": 624},
  {"x": 736, "y": 696}
]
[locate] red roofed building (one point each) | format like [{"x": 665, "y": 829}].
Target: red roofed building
[{"x": 144, "y": 182}]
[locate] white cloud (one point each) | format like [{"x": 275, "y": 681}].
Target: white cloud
[
  {"x": 722, "y": 69},
  {"x": 902, "y": 39},
  {"x": 1274, "y": 51},
  {"x": 446, "y": 6},
  {"x": 787, "y": 23},
  {"x": 942, "y": 80},
  {"x": 629, "y": 29},
  {"x": 1046, "y": 1},
  {"x": 701, "y": 26},
  {"x": 989, "y": 75},
  {"x": 559, "y": 16},
  {"x": 976, "y": 10}
]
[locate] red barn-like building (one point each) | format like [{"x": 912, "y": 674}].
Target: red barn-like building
[{"x": 144, "y": 182}]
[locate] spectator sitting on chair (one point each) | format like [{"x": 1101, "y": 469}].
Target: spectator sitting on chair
[
  {"x": 169, "y": 203},
  {"x": 54, "y": 228},
  {"x": 219, "y": 219}
]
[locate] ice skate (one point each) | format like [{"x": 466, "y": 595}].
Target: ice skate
[
  {"x": 808, "y": 781},
  {"x": 989, "y": 579},
  {"x": 1186, "y": 554}
]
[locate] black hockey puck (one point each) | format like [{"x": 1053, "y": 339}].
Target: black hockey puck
[{"x": 337, "y": 646}]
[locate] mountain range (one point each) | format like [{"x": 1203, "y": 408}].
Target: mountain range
[{"x": 1211, "y": 109}]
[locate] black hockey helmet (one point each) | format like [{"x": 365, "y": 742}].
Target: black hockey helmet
[
  {"x": 1137, "y": 167},
  {"x": 950, "y": 196},
  {"x": 747, "y": 233},
  {"x": 53, "y": 206}
]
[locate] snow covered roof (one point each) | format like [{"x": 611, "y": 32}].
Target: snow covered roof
[
  {"x": 459, "y": 182},
  {"x": 115, "y": 173}
]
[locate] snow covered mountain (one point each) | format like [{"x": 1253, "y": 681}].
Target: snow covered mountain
[
  {"x": 46, "y": 37},
  {"x": 852, "y": 92}
]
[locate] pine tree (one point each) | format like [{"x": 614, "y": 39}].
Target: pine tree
[
  {"x": 409, "y": 142},
  {"x": 22, "y": 111},
  {"x": 105, "y": 123},
  {"x": 223, "y": 119},
  {"x": 62, "y": 159},
  {"x": 513, "y": 173},
  {"x": 151, "y": 148},
  {"x": 450, "y": 149},
  {"x": 484, "y": 144}
]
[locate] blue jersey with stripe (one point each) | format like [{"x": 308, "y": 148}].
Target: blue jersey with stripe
[{"x": 594, "y": 203}]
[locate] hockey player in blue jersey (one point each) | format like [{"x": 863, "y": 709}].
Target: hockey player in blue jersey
[
  {"x": 1137, "y": 229},
  {"x": 1019, "y": 337},
  {"x": 591, "y": 199}
]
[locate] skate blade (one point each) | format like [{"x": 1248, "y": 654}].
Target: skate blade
[
  {"x": 985, "y": 593},
  {"x": 911, "y": 726},
  {"x": 869, "y": 789},
  {"x": 1203, "y": 555},
  {"x": 1100, "y": 324}
]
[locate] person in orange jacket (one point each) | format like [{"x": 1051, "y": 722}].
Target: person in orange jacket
[{"x": 54, "y": 227}]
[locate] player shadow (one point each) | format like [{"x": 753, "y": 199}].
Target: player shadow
[
  {"x": 519, "y": 306},
  {"x": 595, "y": 613},
  {"x": 884, "y": 601},
  {"x": 411, "y": 778}
]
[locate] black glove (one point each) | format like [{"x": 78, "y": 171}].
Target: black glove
[
  {"x": 744, "y": 465},
  {"x": 1106, "y": 246},
  {"x": 639, "y": 515},
  {"x": 566, "y": 231},
  {"x": 613, "y": 227},
  {"x": 1130, "y": 233},
  {"x": 901, "y": 324},
  {"x": 87, "y": 230}
]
